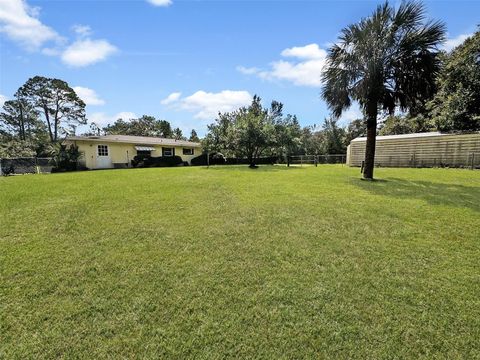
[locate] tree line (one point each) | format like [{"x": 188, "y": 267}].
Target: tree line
[
  {"x": 145, "y": 125},
  {"x": 254, "y": 131}
]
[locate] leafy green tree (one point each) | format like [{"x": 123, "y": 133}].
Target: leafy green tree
[
  {"x": 288, "y": 135},
  {"x": 57, "y": 101},
  {"x": 95, "y": 130},
  {"x": 143, "y": 126},
  {"x": 178, "y": 134},
  {"x": 405, "y": 124},
  {"x": 395, "y": 125},
  {"x": 311, "y": 141},
  {"x": 193, "y": 136},
  {"x": 356, "y": 128},
  {"x": 221, "y": 135},
  {"x": 19, "y": 118},
  {"x": 14, "y": 147},
  {"x": 255, "y": 129},
  {"x": 456, "y": 107},
  {"x": 66, "y": 158},
  {"x": 387, "y": 60},
  {"x": 122, "y": 127},
  {"x": 248, "y": 132},
  {"x": 333, "y": 138}
]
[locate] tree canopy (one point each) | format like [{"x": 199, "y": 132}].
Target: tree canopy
[
  {"x": 254, "y": 131},
  {"x": 193, "y": 136},
  {"x": 456, "y": 106},
  {"x": 247, "y": 132},
  {"x": 20, "y": 118},
  {"x": 143, "y": 126},
  {"x": 60, "y": 106}
]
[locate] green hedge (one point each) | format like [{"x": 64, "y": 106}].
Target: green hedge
[{"x": 160, "y": 161}]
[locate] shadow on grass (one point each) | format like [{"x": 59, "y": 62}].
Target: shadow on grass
[
  {"x": 433, "y": 193},
  {"x": 261, "y": 168}
]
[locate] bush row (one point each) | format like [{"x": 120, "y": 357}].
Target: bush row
[
  {"x": 160, "y": 161},
  {"x": 220, "y": 159}
]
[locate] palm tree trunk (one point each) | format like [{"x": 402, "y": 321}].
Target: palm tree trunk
[{"x": 371, "y": 140}]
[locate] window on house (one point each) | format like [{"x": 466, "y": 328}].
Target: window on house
[
  {"x": 167, "y": 151},
  {"x": 187, "y": 151},
  {"x": 144, "y": 153},
  {"x": 102, "y": 150}
]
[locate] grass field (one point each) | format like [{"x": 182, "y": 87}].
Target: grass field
[{"x": 231, "y": 262}]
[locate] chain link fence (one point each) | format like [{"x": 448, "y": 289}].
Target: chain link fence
[
  {"x": 26, "y": 165},
  {"x": 316, "y": 159}
]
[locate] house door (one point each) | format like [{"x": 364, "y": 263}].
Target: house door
[{"x": 103, "y": 157}]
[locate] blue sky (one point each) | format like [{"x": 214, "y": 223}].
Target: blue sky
[{"x": 185, "y": 60}]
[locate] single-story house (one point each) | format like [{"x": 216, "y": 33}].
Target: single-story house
[
  {"x": 429, "y": 149},
  {"x": 117, "y": 151}
]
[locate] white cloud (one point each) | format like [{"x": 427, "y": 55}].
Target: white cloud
[
  {"x": 51, "y": 51},
  {"x": 3, "y": 98},
  {"x": 306, "y": 71},
  {"x": 160, "y": 2},
  {"x": 171, "y": 98},
  {"x": 89, "y": 96},
  {"x": 82, "y": 30},
  {"x": 207, "y": 105},
  {"x": 311, "y": 51},
  {"x": 248, "y": 70},
  {"x": 20, "y": 23},
  {"x": 86, "y": 52},
  {"x": 102, "y": 119},
  {"x": 452, "y": 43}
]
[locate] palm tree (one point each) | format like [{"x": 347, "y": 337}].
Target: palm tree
[{"x": 386, "y": 61}]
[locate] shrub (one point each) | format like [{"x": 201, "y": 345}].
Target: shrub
[
  {"x": 8, "y": 170},
  {"x": 160, "y": 161},
  {"x": 269, "y": 160},
  {"x": 215, "y": 159},
  {"x": 66, "y": 158}
]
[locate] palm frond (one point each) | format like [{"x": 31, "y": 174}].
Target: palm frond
[{"x": 390, "y": 57}]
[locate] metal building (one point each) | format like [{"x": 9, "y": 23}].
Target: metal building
[{"x": 430, "y": 149}]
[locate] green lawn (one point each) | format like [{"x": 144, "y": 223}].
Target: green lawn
[{"x": 231, "y": 262}]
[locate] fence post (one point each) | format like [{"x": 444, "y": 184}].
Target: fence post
[
  {"x": 288, "y": 160},
  {"x": 316, "y": 160},
  {"x": 1, "y": 173},
  {"x": 301, "y": 160},
  {"x": 473, "y": 161}
]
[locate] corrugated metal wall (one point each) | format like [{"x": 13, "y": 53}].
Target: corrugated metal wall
[{"x": 420, "y": 150}]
